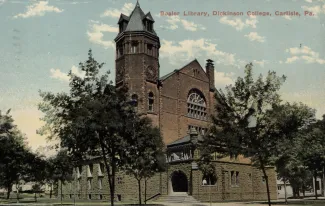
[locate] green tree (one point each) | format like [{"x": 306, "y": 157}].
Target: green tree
[
  {"x": 62, "y": 168},
  {"x": 91, "y": 120},
  {"x": 14, "y": 155},
  {"x": 144, "y": 156},
  {"x": 313, "y": 149},
  {"x": 250, "y": 120}
]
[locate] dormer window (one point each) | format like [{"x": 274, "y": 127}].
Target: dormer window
[
  {"x": 150, "y": 26},
  {"x": 134, "y": 47}
]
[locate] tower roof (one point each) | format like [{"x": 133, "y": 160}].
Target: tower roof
[{"x": 135, "y": 20}]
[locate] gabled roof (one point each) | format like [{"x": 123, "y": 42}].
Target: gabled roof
[
  {"x": 168, "y": 75},
  {"x": 184, "y": 140},
  {"x": 149, "y": 17},
  {"x": 176, "y": 70},
  {"x": 123, "y": 17},
  {"x": 135, "y": 20}
]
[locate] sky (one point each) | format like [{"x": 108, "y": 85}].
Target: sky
[{"x": 41, "y": 41}]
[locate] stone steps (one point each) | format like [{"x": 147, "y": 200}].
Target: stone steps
[{"x": 177, "y": 198}]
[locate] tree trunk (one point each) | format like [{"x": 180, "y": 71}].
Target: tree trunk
[
  {"x": 51, "y": 191},
  {"x": 139, "y": 187},
  {"x": 285, "y": 191},
  {"x": 17, "y": 188},
  {"x": 8, "y": 192},
  {"x": 35, "y": 197},
  {"x": 267, "y": 182},
  {"x": 61, "y": 192},
  {"x": 315, "y": 176},
  {"x": 111, "y": 178},
  {"x": 323, "y": 181},
  {"x": 145, "y": 191}
]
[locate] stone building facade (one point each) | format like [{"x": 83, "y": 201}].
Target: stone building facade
[{"x": 180, "y": 104}]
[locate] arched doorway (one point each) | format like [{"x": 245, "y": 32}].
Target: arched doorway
[{"x": 179, "y": 181}]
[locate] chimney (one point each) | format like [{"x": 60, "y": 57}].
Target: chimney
[
  {"x": 193, "y": 135},
  {"x": 210, "y": 72}
]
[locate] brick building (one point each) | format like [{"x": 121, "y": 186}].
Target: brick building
[{"x": 180, "y": 104}]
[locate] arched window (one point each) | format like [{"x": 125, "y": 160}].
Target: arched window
[
  {"x": 150, "y": 101},
  {"x": 196, "y": 106}
]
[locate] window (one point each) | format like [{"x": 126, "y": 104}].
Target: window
[
  {"x": 89, "y": 196},
  {"x": 263, "y": 179},
  {"x": 237, "y": 178},
  {"x": 234, "y": 178},
  {"x": 196, "y": 106},
  {"x": 100, "y": 197},
  {"x": 150, "y": 101},
  {"x": 89, "y": 184},
  {"x": 209, "y": 179},
  {"x": 135, "y": 100},
  {"x": 250, "y": 176},
  {"x": 90, "y": 170},
  {"x": 100, "y": 182},
  {"x": 78, "y": 185},
  {"x": 134, "y": 48},
  {"x": 101, "y": 169},
  {"x": 120, "y": 51},
  {"x": 149, "y": 49},
  {"x": 279, "y": 187},
  {"x": 79, "y": 171}
]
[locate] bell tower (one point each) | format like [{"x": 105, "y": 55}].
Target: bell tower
[{"x": 137, "y": 59}]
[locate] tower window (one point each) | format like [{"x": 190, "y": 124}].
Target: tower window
[
  {"x": 149, "y": 49},
  {"x": 134, "y": 48},
  {"x": 150, "y": 101},
  {"x": 120, "y": 51}
]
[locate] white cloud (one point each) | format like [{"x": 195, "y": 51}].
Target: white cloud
[
  {"x": 39, "y": 8},
  {"x": 58, "y": 74},
  {"x": 313, "y": 97},
  {"x": 187, "y": 50},
  {"x": 305, "y": 54},
  {"x": 2, "y": 2},
  {"x": 253, "y": 36},
  {"x": 96, "y": 34},
  {"x": 291, "y": 59},
  {"x": 223, "y": 79},
  {"x": 239, "y": 24},
  {"x": 260, "y": 63},
  {"x": 175, "y": 21},
  {"x": 115, "y": 13},
  {"x": 316, "y": 10},
  {"x": 309, "y": 1}
]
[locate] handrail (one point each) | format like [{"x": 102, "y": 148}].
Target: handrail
[{"x": 152, "y": 197}]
